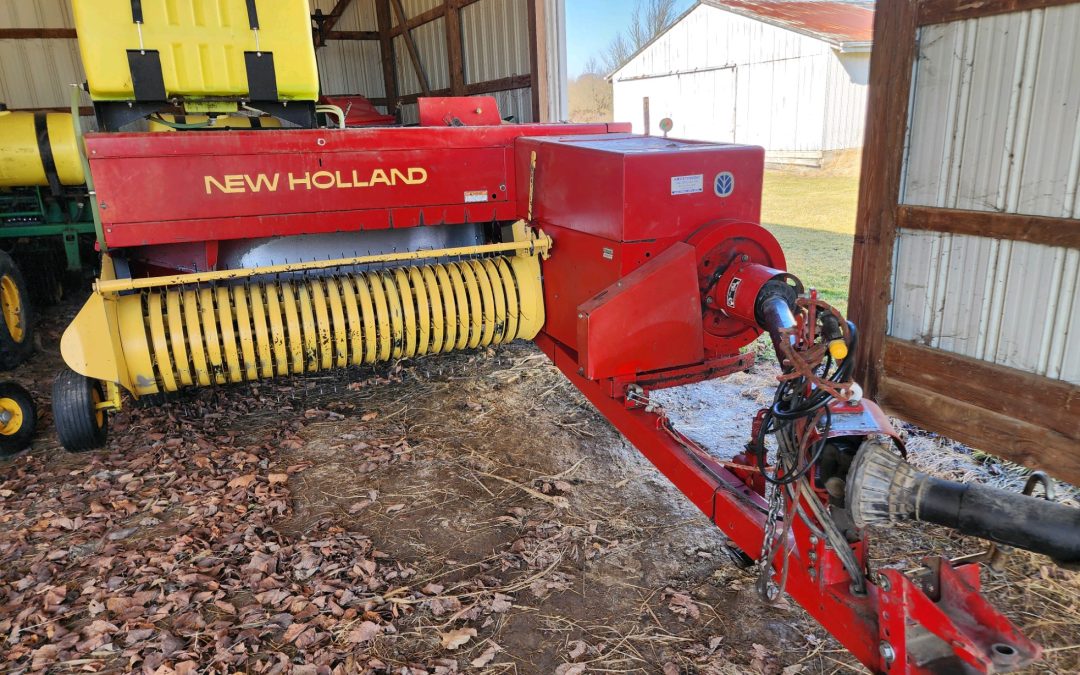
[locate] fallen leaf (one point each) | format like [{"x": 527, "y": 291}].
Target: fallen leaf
[
  {"x": 276, "y": 478},
  {"x": 683, "y": 605},
  {"x": 365, "y": 632},
  {"x": 294, "y": 631},
  {"x": 456, "y": 638},
  {"x": 577, "y": 649},
  {"x": 501, "y": 603},
  {"x": 242, "y": 481},
  {"x": 486, "y": 657}
]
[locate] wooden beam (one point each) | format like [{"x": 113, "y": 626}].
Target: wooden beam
[
  {"x": 1031, "y": 398},
  {"x": 353, "y": 35},
  {"x": 386, "y": 55},
  {"x": 404, "y": 26},
  {"x": 37, "y": 33},
  {"x": 432, "y": 14},
  {"x": 1010, "y": 226},
  {"x": 328, "y": 21},
  {"x": 410, "y": 45},
  {"x": 534, "y": 61},
  {"x": 942, "y": 11},
  {"x": 879, "y": 188},
  {"x": 476, "y": 89},
  {"x": 455, "y": 57},
  {"x": 1000, "y": 435}
]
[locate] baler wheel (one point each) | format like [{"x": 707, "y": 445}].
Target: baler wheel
[
  {"x": 18, "y": 418},
  {"x": 16, "y": 327},
  {"x": 80, "y": 423}
]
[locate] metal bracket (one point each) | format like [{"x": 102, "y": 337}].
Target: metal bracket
[
  {"x": 112, "y": 402},
  {"x": 938, "y": 622}
]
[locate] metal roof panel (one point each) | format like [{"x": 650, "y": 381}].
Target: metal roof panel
[{"x": 843, "y": 24}]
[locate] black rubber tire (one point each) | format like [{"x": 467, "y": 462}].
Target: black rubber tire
[
  {"x": 19, "y": 438},
  {"x": 14, "y": 351},
  {"x": 80, "y": 426}
]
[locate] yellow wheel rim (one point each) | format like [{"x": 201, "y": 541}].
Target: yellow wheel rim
[
  {"x": 11, "y": 306},
  {"x": 14, "y": 416}
]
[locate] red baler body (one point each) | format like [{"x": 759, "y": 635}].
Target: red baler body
[{"x": 642, "y": 228}]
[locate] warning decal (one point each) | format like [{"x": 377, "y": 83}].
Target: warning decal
[{"x": 732, "y": 291}]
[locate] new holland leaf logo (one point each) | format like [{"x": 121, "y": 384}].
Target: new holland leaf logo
[{"x": 724, "y": 185}]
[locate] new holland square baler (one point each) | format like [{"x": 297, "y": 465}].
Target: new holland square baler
[{"x": 635, "y": 263}]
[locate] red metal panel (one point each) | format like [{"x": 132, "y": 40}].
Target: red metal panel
[
  {"x": 166, "y": 188},
  {"x": 648, "y": 320},
  {"x": 636, "y": 188},
  {"x": 180, "y": 231},
  {"x": 451, "y": 111},
  {"x": 197, "y": 187},
  {"x": 581, "y": 266}
]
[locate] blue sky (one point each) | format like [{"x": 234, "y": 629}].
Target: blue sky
[{"x": 592, "y": 24}]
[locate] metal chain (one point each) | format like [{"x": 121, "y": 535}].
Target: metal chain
[{"x": 766, "y": 588}]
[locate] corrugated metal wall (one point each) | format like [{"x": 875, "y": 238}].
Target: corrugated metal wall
[
  {"x": 995, "y": 126},
  {"x": 495, "y": 35},
  {"x": 845, "y": 100},
  {"x": 351, "y": 66},
  {"x": 721, "y": 76},
  {"x": 35, "y": 73}
]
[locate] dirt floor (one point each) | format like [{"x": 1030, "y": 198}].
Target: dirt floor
[{"x": 468, "y": 513}]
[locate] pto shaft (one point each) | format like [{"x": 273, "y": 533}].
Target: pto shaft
[{"x": 882, "y": 487}]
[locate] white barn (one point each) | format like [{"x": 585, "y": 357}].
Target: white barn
[{"x": 791, "y": 76}]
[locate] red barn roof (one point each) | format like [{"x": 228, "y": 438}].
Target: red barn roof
[{"x": 843, "y": 24}]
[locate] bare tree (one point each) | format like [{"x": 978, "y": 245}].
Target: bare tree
[
  {"x": 593, "y": 67},
  {"x": 649, "y": 19}
]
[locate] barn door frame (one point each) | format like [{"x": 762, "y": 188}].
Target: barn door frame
[{"x": 1026, "y": 418}]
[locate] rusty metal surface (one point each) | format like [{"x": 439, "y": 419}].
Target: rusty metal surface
[{"x": 834, "y": 22}]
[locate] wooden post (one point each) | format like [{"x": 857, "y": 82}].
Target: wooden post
[
  {"x": 386, "y": 55},
  {"x": 879, "y": 190},
  {"x": 534, "y": 59},
  {"x": 454, "y": 56}
]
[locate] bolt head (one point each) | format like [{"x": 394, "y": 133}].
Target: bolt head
[{"x": 888, "y": 654}]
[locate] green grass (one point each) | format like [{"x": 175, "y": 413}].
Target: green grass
[{"x": 813, "y": 217}]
